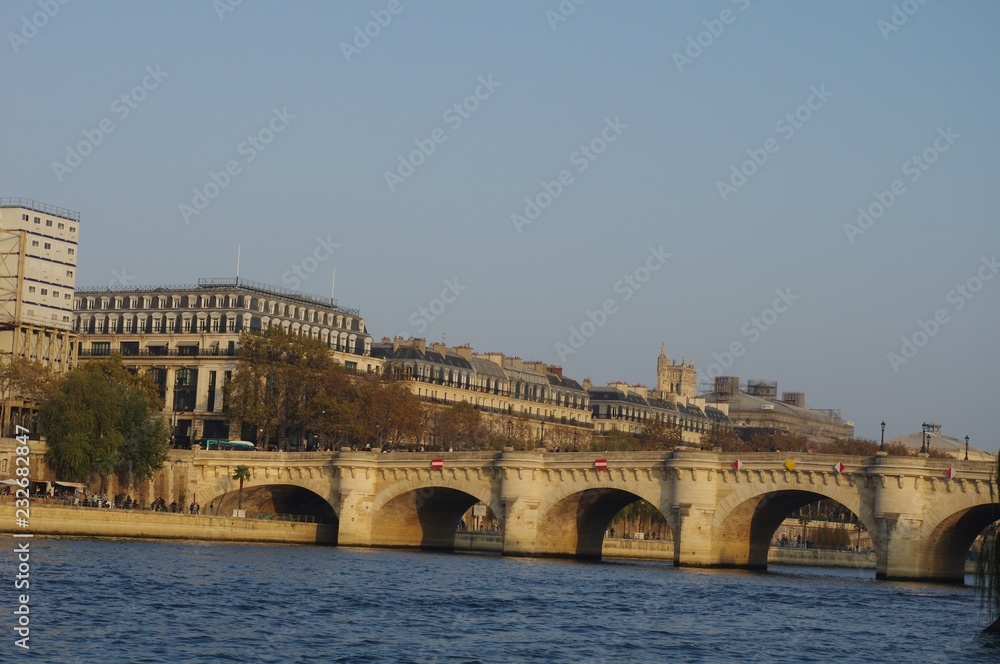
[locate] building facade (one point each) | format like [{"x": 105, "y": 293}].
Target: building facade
[
  {"x": 38, "y": 254},
  {"x": 627, "y": 408},
  {"x": 757, "y": 407},
  {"x": 187, "y": 339},
  {"x": 501, "y": 387}
]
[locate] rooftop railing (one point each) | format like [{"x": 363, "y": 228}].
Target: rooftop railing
[
  {"x": 226, "y": 283},
  {"x": 37, "y": 206}
]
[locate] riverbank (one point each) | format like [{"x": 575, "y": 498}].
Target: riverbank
[{"x": 95, "y": 522}]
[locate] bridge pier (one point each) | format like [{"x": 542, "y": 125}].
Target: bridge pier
[
  {"x": 357, "y": 497},
  {"x": 520, "y": 495}
]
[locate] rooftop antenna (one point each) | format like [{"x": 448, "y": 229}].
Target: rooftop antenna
[
  {"x": 333, "y": 282},
  {"x": 238, "y": 248}
]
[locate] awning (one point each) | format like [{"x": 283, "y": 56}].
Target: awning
[
  {"x": 10, "y": 482},
  {"x": 73, "y": 485}
]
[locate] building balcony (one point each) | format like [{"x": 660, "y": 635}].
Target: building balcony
[{"x": 184, "y": 351}]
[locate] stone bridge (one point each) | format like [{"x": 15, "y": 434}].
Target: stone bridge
[{"x": 923, "y": 514}]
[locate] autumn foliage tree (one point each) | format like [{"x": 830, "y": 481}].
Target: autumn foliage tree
[
  {"x": 288, "y": 385},
  {"x": 658, "y": 435},
  {"x": 387, "y": 413},
  {"x": 23, "y": 383},
  {"x": 458, "y": 426}
]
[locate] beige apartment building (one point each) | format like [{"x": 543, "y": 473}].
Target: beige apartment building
[
  {"x": 555, "y": 407},
  {"x": 627, "y": 408},
  {"x": 187, "y": 338},
  {"x": 38, "y": 254}
]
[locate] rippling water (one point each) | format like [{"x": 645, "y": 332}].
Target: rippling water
[{"x": 141, "y": 601}]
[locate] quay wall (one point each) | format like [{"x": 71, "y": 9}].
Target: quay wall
[{"x": 94, "y": 522}]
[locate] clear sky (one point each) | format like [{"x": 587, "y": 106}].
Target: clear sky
[{"x": 713, "y": 154}]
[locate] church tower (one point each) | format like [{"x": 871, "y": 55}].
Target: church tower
[{"x": 674, "y": 380}]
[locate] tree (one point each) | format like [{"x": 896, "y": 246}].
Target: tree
[
  {"x": 101, "y": 419},
  {"x": 658, "y": 435},
  {"x": 724, "y": 438},
  {"x": 988, "y": 567},
  {"x": 458, "y": 426},
  {"x": 241, "y": 473},
  {"x": 388, "y": 413},
  {"x": 280, "y": 382},
  {"x": 22, "y": 382},
  {"x": 332, "y": 412}
]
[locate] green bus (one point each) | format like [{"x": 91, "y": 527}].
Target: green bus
[{"x": 229, "y": 445}]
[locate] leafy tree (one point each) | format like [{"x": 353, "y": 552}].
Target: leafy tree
[
  {"x": 658, "y": 435},
  {"x": 724, "y": 438},
  {"x": 281, "y": 383},
  {"x": 22, "y": 382},
  {"x": 333, "y": 411},
  {"x": 640, "y": 517},
  {"x": 388, "y": 413},
  {"x": 101, "y": 419},
  {"x": 458, "y": 426},
  {"x": 241, "y": 473},
  {"x": 616, "y": 440},
  {"x": 988, "y": 567}
]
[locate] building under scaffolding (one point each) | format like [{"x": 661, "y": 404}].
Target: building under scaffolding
[{"x": 38, "y": 245}]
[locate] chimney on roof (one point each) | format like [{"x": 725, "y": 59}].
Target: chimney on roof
[
  {"x": 464, "y": 351},
  {"x": 587, "y": 384},
  {"x": 555, "y": 369},
  {"x": 797, "y": 399},
  {"x": 538, "y": 366},
  {"x": 495, "y": 358}
]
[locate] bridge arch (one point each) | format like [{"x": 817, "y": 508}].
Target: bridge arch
[
  {"x": 951, "y": 535},
  {"x": 572, "y": 521},
  {"x": 424, "y": 513},
  {"x": 745, "y": 521},
  {"x": 291, "y": 502}
]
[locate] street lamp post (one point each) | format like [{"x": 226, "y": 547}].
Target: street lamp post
[
  {"x": 966, "y": 448},
  {"x": 541, "y": 439},
  {"x": 881, "y": 445},
  {"x": 924, "y": 448}
]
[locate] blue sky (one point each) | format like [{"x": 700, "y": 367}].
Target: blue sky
[{"x": 310, "y": 133}]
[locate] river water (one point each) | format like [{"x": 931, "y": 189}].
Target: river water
[{"x": 149, "y": 601}]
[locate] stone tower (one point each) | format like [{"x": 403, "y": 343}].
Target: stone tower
[{"x": 673, "y": 379}]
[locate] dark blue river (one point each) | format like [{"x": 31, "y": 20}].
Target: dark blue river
[{"x": 146, "y": 601}]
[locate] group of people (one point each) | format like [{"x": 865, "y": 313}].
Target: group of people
[
  {"x": 102, "y": 500},
  {"x": 160, "y": 505},
  {"x": 128, "y": 503}
]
